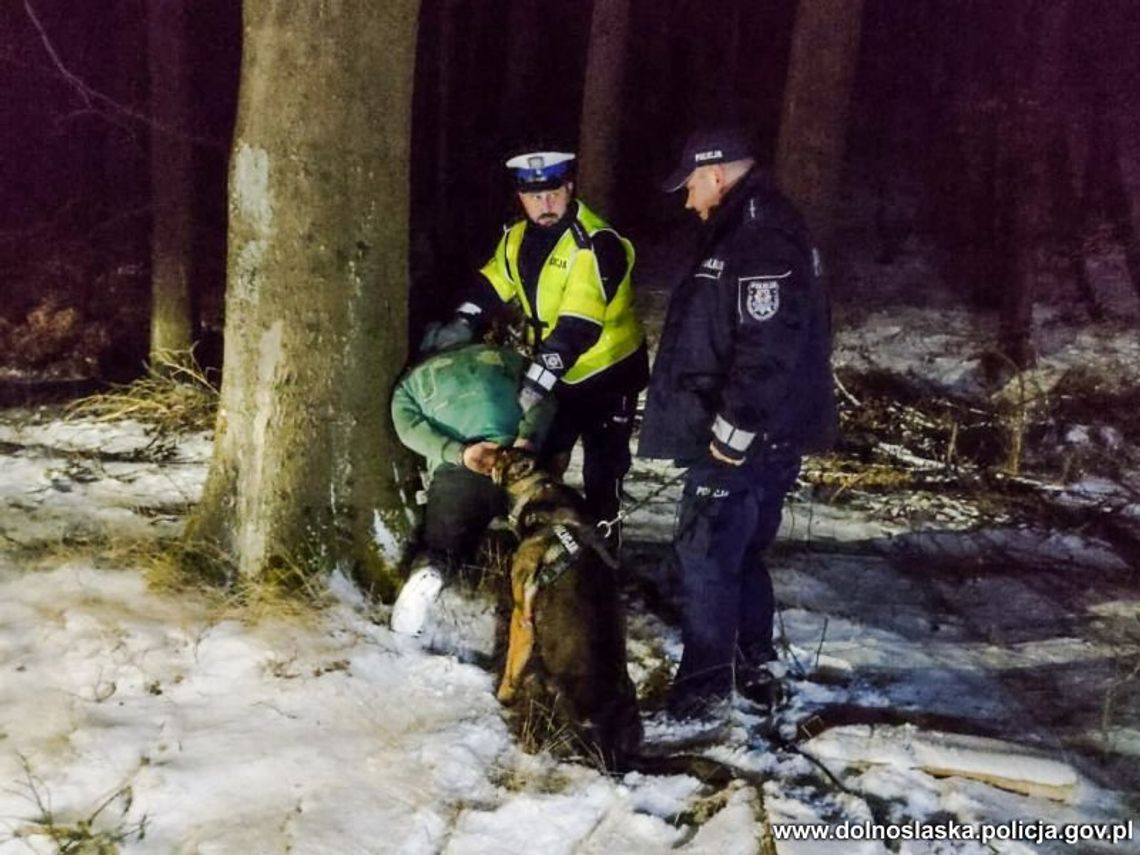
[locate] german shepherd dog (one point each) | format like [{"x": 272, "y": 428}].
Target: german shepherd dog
[{"x": 565, "y": 671}]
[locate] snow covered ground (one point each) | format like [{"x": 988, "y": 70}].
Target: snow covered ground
[{"x": 947, "y": 664}]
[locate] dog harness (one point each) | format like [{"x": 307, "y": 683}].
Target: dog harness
[{"x": 558, "y": 557}]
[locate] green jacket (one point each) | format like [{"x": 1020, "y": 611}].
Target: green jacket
[{"x": 464, "y": 395}]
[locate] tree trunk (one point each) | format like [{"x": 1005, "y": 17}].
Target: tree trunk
[
  {"x": 1118, "y": 196},
  {"x": 521, "y": 104},
  {"x": 961, "y": 155},
  {"x": 171, "y": 180},
  {"x": 706, "y": 51},
  {"x": 602, "y": 103},
  {"x": 1030, "y": 122},
  {"x": 307, "y": 471},
  {"x": 813, "y": 126},
  {"x": 1122, "y": 197},
  {"x": 1072, "y": 207},
  {"x": 1107, "y": 33}
]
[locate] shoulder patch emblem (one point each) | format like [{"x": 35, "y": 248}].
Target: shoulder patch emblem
[
  {"x": 759, "y": 297},
  {"x": 552, "y": 361}
]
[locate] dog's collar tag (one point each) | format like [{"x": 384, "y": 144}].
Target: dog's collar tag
[
  {"x": 566, "y": 539},
  {"x": 565, "y": 551}
]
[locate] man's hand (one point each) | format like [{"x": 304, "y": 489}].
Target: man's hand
[
  {"x": 480, "y": 456},
  {"x": 721, "y": 458},
  {"x": 524, "y": 443}
]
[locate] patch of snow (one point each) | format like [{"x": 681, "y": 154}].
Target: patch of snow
[
  {"x": 386, "y": 541},
  {"x": 1002, "y": 764}
]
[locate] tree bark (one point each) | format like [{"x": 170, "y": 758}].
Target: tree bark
[
  {"x": 602, "y": 103},
  {"x": 307, "y": 471},
  {"x": 1029, "y": 124},
  {"x": 522, "y": 40},
  {"x": 960, "y": 158},
  {"x": 171, "y": 181},
  {"x": 813, "y": 126},
  {"x": 706, "y": 50},
  {"x": 1070, "y": 201},
  {"x": 1122, "y": 197}
]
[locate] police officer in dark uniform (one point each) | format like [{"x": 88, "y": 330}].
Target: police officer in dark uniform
[
  {"x": 740, "y": 389},
  {"x": 570, "y": 274}
]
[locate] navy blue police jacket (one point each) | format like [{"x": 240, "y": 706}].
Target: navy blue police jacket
[{"x": 744, "y": 360}]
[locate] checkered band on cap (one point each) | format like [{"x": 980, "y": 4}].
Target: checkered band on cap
[{"x": 546, "y": 168}]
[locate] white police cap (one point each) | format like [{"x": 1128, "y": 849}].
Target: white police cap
[{"x": 541, "y": 170}]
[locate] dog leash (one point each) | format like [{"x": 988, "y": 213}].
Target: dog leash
[{"x": 607, "y": 526}]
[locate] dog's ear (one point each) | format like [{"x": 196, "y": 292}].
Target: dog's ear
[{"x": 500, "y": 466}]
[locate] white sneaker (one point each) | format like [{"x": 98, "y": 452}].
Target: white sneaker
[{"x": 410, "y": 612}]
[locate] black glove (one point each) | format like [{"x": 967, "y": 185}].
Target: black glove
[
  {"x": 456, "y": 331},
  {"x": 439, "y": 337}
]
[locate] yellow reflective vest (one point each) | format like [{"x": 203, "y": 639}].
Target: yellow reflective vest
[{"x": 571, "y": 285}]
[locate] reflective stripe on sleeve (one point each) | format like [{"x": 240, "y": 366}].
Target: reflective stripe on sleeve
[
  {"x": 537, "y": 374},
  {"x": 733, "y": 437}
]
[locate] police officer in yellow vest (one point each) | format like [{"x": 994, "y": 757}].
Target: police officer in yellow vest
[{"x": 569, "y": 273}]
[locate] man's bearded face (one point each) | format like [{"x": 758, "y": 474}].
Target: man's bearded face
[{"x": 547, "y": 207}]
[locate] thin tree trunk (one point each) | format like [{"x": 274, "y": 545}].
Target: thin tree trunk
[
  {"x": 706, "y": 53},
  {"x": 1021, "y": 190},
  {"x": 447, "y": 90},
  {"x": 1109, "y": 32},
  {"x": 961, "y": 161},
  {"x": 306, "y": 473},
  {"x": 1122, "y": 205},
  {"x": 1029, "y": 98},
  {"x": 114, "y": 178},
  {"x": 1072, "y": 205},
  {"x": 813, "y": 126},
  {"x": 525, "y": 52},
  {"x": 171, "y": 181},
  {"x": 602, "y": 103}
]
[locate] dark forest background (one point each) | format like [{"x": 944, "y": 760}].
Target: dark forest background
[{"x": 1000, "y": 136}]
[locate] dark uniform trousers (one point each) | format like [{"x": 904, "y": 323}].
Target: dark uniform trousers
[
  {"x": 605, "y": 425},
  {"x": 727, "y": 517},
  {"x": 601, "y": 411}
]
